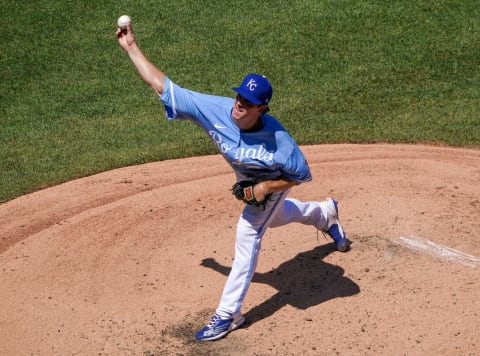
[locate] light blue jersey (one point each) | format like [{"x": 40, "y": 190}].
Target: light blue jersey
[{"x": 266, "y": 154}]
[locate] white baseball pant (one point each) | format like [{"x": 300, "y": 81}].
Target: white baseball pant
[{"x": 251, "y": 227}]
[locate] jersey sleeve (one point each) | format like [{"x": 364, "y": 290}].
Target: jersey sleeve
[
  {"x": 179, "y": 103},
  {"x": 296, "y": 167},
  {"x": 201, "y": 108}
]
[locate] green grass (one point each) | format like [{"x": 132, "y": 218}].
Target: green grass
[{"x": 343, "y": 71}]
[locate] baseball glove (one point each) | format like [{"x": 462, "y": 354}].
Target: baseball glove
[{"x": 243, "y": 190}]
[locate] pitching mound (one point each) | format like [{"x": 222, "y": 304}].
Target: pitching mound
[{"x": 133, "y": 261}]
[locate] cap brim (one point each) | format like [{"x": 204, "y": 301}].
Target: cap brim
[{"x": 247, "y": 96}]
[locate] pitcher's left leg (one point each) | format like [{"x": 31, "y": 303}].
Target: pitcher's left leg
[{"x": 251, "y": 227}]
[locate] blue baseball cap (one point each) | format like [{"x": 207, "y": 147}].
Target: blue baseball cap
[{"x": 255, "y": 88}]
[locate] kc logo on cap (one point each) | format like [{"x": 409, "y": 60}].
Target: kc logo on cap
[
  {"x": 255, "y": 88},
  {"x": 252, "y": 84}
]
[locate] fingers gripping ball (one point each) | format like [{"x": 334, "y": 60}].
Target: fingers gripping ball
[{"x": 243, "y": 190}]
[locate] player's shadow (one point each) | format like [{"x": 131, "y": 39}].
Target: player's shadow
[{"x": 304, "y": 281}]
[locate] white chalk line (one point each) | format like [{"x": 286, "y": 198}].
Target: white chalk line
[{"x": 432, "y": 248}]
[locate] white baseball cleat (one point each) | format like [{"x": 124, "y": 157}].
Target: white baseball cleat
[
  {"x": 219, "y": 327},
  {"x": 334, "y": 228}
]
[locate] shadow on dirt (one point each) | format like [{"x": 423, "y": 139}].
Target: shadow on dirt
[{"x": 304, "y": 281}]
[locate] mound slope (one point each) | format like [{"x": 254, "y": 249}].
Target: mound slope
[{"x": 133, "y": 261}]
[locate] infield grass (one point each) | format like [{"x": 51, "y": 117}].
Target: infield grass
[{"x": 343, "y": 71}]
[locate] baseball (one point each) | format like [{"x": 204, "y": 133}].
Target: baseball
[{"x": 123, "y": 21}]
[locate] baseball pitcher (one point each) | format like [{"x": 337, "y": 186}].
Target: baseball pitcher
[{"x": 266, "y": 160}]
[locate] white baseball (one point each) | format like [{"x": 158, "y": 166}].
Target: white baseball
[{"x": 123, "y": 21}]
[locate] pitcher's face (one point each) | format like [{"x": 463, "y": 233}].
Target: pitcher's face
[{"x": 245, "y": 113}]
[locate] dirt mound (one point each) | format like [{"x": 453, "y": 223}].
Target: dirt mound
[{"x": 133, "y": 261}]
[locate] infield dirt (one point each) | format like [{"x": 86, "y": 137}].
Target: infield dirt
[{"x": 133, "y": 261}]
